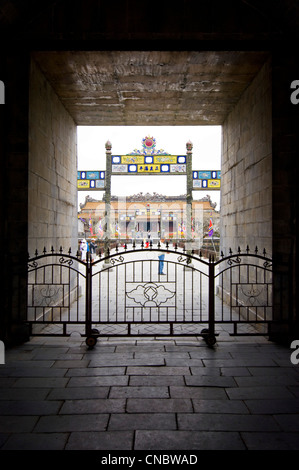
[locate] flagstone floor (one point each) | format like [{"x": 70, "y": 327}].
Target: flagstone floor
[{"x": 149, "y": 395}]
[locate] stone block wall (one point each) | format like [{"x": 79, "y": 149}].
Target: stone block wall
[
  {"x": 52, "y": 178},
  {"x": 14, "y": 71},
  {"x": 285, "y": 187},
  {"x": 246, "y": 178}
]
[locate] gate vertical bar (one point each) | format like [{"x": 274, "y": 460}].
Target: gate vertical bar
[
  {"x": 189, "y": 147},
  {"x": 107, "y": 227},
  {"x": 88, "y": 294},
  {"x": 211, "y": 296}
]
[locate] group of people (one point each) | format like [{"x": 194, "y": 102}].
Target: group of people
[{"x": 86, "y": 247}]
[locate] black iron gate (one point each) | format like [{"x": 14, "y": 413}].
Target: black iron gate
[{"x": 154, "y": 291}]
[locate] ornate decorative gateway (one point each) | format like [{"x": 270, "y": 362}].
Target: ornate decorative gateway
[
  {"x": 149, "y": 161},
  {"x": 154, "y": 291}
]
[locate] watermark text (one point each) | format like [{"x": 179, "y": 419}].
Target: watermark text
[
  {"x": 2, "y": 353},
  {"x": 2, "y": 93},
  {"x": 150, "y": 459},
  {"x": 295, "y": 354},
  {"x": 295, "y": 94}
]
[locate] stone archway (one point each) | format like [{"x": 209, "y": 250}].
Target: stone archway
[
  {"x": 248, "y": 89},
  {"x": 160, "y": 87}
]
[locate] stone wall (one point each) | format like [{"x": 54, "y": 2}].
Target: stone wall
[
  {"x": 52, "y": 193},
  {"x": 246, "y": 178},
  {"x": 285, "y": 188},
  {"x": 14, "y": 70}
]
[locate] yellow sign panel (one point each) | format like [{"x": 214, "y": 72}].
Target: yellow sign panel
[
  {"x": 83, "y": 184},
  {"x": 150, "y": 168},
  {"x": 214, "y": 184},
  {"x": 132, "y": 159},
  {"x": 165, "y": 159}
]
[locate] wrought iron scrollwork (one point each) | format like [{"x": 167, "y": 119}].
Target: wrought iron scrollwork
[
  {"x": 184, "y": 259},
  {"x": 150, "y": 294},
  {"x": 62, "y": 260},
  {"x": 33, "y": 265},
  {"x": 267, "y": 264},
  {"x": 120, "y": 259},
  {"x": 231, "y": 261},
  {"x": 252, "y": 292},
  {"x": 48, "y": 296}
]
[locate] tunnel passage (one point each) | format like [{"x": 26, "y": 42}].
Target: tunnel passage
[
  {"x": 75, "y": 28},
  {"x": 231, "y": 89}
]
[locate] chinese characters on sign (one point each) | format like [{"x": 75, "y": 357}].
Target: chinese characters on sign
[
  {"x": 149, "y": 161},
  {"x": 157, "y": 164}
]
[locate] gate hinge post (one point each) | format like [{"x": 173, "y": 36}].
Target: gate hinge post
[
  {"x": 212, "y": 297},
  {"x": 88, "y": 298}
]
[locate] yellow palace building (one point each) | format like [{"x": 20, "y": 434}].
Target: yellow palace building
[{"x": 135, "y": 217}]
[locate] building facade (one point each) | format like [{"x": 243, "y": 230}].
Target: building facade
[{"x": 136, "y": 217}]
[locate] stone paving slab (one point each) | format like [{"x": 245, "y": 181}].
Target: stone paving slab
[
  {"x": 226, "y": 422},
  {"x": 157, "y": 405},
  {"x": 158, "y": 371},
  {"x": 94, "y": 371},
  {"x": 212, "y": 393},
  {"x": 13, "y": 424},
  {"x": 273, "y": 406},
  {"x": 236, "y": 407},
  {"x": 137, "y": 392},
  {"x": 17, "y": 372},
  {"x": 271, "y": 441},
  {"x": 210, "y": 381},
  {"x": 99, "y": 381},
  {"x": 112, "y": 440},
  {"x": 29, "y": 407},
  {"x": 14, "y": 395},
  {"x": 70, "y": 423},
  {"x": 101, "y": 405},
  {"x": 133, "y": 421},
  {"x": 266, "y": 393},
  {"x": 149, "y": 394},
  {"x": 120, "y": 360},
  {"x": 157, "y": 380},
  {"x": 78, "y": 393},
  {"x": 43, "y": 382},
  {"x": 36, "y": 441},
  {"x": 188, "y": 440}
]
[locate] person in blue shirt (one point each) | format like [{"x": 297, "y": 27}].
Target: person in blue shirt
[{"x": 161, "y": 263}]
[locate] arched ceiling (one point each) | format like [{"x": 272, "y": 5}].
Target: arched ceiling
[{"x": 149, "y": 87}]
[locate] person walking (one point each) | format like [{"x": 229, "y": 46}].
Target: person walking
[
  {"x": 83, "y": 249},
  {"x": 161, "y": 264},
  {"x": 93, "y": 247}
]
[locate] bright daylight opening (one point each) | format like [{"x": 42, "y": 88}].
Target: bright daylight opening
[
  {"x": 206, "y": 155},
  {"x": 154, "y": 203}
]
